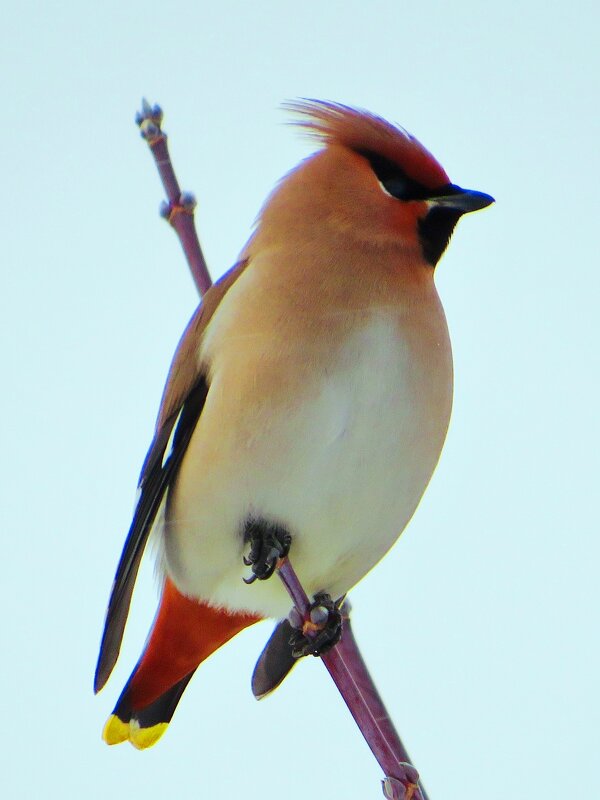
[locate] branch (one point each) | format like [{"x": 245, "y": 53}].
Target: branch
[
  {"x": 179, "y": 208},
  {"x": 344, "y": 662},
  {"x": 351, "y": 676}
]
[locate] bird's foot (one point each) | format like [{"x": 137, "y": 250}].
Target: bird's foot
[
  {"x": 268, "y": 543},
  {"x": 321, "y": 631}
]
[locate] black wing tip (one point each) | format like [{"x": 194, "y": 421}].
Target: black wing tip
[
  {"x": 101, "y": 677},
  {"x": 104, "y": 667},
  {"x": 110, "y": 646},
  {"x": 156, "y": 476}
]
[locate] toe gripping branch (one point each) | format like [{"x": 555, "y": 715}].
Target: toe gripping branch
[
  {"x": 320, "y": 631},
  {"x": 269, "y": 543}
]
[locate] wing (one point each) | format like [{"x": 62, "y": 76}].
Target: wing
[
  {"x": 159, "y": 470},
  {"x": 180, "y": 409}
]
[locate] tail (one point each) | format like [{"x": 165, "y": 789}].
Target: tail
[{"x": 185, "y": 632}]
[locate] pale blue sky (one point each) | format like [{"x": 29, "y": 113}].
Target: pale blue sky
[{"x": 481, "y": 627}]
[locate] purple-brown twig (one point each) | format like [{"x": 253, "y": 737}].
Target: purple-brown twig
[
  {"x": 344, "y": 661},
  {"x": 179, "y": 208}
]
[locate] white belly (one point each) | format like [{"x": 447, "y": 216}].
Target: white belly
[{"x": 343, "y": 466}]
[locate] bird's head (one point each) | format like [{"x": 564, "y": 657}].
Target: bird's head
[{"x": 371, "y": 181}]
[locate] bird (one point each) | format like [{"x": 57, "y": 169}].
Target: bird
[{"x": 305, "y": 409}]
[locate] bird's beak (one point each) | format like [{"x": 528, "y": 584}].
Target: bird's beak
[{"x": 454, "y": 198}]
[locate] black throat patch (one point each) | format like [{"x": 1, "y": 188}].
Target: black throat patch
[{"x": 435, "y": 231}]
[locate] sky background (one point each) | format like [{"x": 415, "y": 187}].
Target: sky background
[{"x": 481, "y": 626}]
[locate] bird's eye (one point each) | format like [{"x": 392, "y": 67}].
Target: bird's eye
[
  {"x": 396, "y": 186},
  {"x": 393, "y": 179}
]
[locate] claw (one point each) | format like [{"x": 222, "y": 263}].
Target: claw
[
  {"x": 321, "y": 631},
  {"x": 268, "y": 543}
]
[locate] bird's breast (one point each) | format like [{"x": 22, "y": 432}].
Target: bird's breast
[{"x": 332, "y": 430}]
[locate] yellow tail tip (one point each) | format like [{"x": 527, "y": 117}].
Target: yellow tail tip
[
  {"x": 115, "y": 731},
  {"x": 145, "y": 737}
]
